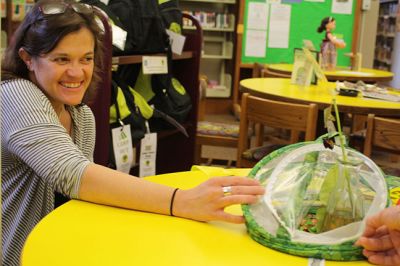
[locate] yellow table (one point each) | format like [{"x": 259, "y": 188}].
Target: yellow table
[
  {"x": 341, "y": 73},
  {"x": 80, "y": 233},
  {"x": 281, "y": 89}
]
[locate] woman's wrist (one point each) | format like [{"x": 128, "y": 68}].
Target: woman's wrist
[
  {"x": 179, "y": 205},
  {"x": 172, "y": 201}
]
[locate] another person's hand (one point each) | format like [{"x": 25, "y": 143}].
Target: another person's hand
[
  {"x": 207, "y": 201},
  {"x": 381, "y": 238}
]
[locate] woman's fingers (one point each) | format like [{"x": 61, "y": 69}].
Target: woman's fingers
[
  {"x": 376, "y": 244},
  {"x": 231, "y": 218},
  {"x": 383, "y": 258},
  {"x": 238, "y": 199},
  {"x": 207, "y": 201},
  {"x": 246, "y": 190},
  {"x": 234, "y": 181}
]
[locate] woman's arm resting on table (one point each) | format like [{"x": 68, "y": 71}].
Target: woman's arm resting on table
[{"x": 204, "y": 203}]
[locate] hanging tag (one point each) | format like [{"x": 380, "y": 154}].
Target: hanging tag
[
  {"x": 148, "y": 152},
  {"x": 122, "y": 144},
  {"x": 177, "y": 42},
  {"x": 155, "y": 65},
  {"x": 316, "y": 262},
  {"x": 118, "y": 37}
]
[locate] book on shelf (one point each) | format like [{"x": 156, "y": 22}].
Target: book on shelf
[{"x": 210, "y": 19}]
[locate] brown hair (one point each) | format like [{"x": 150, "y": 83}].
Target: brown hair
[{"x": 39, "y": 34}]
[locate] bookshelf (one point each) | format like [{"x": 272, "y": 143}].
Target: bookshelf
[{"x": 218, "y": 20}]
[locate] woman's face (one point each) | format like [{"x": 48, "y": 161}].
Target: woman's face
[
  {"x": 331, "y": 25},
  {"x": 65, "y": 73}
]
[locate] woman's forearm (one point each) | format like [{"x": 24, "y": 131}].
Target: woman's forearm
[
  {"x": 205, "y": 202},
  {"x": 102, "y": 185}
]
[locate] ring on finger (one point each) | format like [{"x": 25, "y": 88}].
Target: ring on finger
[{"x": 227, "y": 190}]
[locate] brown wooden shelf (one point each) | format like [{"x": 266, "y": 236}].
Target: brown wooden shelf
[{"x": 135, "y": 59}]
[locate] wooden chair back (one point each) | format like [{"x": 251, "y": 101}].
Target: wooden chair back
[
  {"x": 267, "y": 73},
  {"x": 383, "y": 133},
  {"x": 262, "y": 71},
  {"x": 294, "y": 117}
]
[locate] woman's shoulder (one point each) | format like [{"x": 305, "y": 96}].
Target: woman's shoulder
[
  {"x": 20, "y": 87},
  {"x": 17, "y": 82}
]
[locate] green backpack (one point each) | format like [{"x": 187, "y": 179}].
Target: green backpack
[{"x": 316, "y": 202}]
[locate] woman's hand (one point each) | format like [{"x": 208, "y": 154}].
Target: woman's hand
[
  {"x": 207, "y": 201},
  {"x": 381, "y": 238}
]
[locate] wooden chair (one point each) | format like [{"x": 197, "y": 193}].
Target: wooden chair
[
  {"x": 216, "y": 134},
  {"x": 261, "y": 70},
  {"x": 218, "y": 137},
  {"x": 294, "y": 117},
  {"x": 383, "y": 133}
]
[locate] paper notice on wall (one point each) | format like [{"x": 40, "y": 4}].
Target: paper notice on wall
[
  {"x": 257, "y": 17},
  {"x": 256, "y": 34},
  {"x": 274, "y": 1},
  {"x": 279, "y": 26},
  {"x": 342, "y": 6},
  {"x": 291, "y": 1},
  {"x": 255, "y": 43}
]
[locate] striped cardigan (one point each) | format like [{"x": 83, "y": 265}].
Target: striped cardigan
[{"x": 38, "y": 157}]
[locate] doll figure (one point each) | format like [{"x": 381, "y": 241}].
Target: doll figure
[{"x": 329, "y": 44}]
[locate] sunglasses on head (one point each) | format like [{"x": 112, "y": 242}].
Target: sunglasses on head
[{"x": 60, "y": 8}]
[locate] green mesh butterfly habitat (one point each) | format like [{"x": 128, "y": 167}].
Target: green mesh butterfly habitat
[
  {"x": 318, "y": 197},
  {"x": 316, "y": 201}
]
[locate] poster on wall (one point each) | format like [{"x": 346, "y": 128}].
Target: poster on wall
[
  {"x": 257, "y": 25},
  {"x": 279, "y": 26},
  {"x": 257, "y": 17},
  {"x": 291, "y": 1},
  {"x": 255, "y": 43},
  {"x": 302, "y": 20},
  {"x": 342, "y": 6}
]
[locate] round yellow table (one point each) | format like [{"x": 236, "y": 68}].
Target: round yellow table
[
  {"x": 282, "y": 90},
  {"x": 81, "y": 233},
  {"x": 365, "y": 74}
]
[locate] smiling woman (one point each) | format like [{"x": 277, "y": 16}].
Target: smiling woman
[
  {"x": 65, "y": 73},
  {"x": 44, "y": 80},
  {"x": 48, "y": 133}
]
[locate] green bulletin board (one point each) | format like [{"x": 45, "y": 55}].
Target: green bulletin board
[{"x": 304, "y": 20}]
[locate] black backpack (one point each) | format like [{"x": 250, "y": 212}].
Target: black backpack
[
  {"x": 125, "y": 113},
  {"x": 144, "y": 25},
  {"x": 169, "y": 96},
  {"x": 171, "y": 15},
  {"x": 110, "y": 15}
]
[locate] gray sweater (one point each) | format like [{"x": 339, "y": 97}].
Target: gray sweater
[{"x": 38, "y": 157}]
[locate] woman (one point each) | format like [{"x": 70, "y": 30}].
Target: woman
[
  {"x": 48, "y": 134},
  {"x": 329, "y": 44}
]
